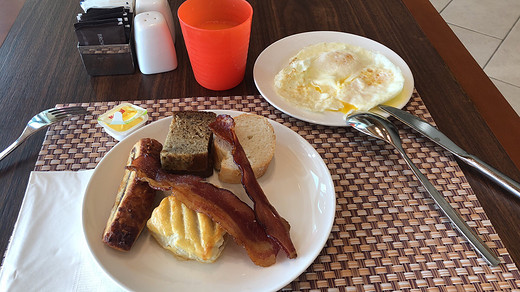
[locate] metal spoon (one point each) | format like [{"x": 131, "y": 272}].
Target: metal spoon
[{"x": 379, "y": 127}]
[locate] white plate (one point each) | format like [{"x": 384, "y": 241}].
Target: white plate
[
  {"x": 276, "y": 57},
  {"x": 297, "y": 183}
]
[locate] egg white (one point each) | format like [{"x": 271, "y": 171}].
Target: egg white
[{"x": 338, "y": 77}]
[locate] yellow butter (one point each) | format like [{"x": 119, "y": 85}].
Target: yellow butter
[
  {"x": 125, "y": 127},
  {"x": 132, "y": 118}
]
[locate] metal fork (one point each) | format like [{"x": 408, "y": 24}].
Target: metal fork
[{"x": 43, "y": 120}]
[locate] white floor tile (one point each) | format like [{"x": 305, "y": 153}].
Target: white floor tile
[
  {"x": 510, "y": 92},
  {"x": 440, "y": 4},
  {"x": 479, "y": 45},
  {"x": 505, "y": 64},
  {"x": 494, "y": 18},
  {"x": 498, "y": 20}
]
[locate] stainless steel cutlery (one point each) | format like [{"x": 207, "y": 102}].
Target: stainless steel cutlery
[
  {"x": 41, "y": 121},
  {"x": 379, "y": 127}
]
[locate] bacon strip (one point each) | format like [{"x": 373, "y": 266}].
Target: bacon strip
[
  {"x": 221, "y": 205},
  {"x": 275, "y": 226}
]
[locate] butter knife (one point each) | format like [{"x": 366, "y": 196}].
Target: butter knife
[{"x": 442, "y": 140}]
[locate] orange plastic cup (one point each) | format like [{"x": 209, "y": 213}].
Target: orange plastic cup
[{"x": 216, "y": 33}]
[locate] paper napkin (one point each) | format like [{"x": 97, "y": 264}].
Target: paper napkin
[{"x": 47, "y": 251}]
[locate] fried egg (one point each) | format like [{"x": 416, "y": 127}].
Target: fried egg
[{"x": 338, "y": 77}]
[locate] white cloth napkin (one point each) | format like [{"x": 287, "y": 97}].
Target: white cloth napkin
[{"x": 47, "y": 251}]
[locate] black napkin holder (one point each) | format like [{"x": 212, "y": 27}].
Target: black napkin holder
[{"x": 115, "y": 59}]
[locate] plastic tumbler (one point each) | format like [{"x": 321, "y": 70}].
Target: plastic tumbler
[{"x": 216, "y": 33}]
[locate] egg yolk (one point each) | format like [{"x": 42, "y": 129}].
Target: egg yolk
[{"x": 347, "y": 108}]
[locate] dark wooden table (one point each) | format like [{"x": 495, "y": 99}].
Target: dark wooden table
[{"x": 40, "y": 67}]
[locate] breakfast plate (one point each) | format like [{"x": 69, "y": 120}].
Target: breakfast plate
[
  {"x": 297, "y": 183},
  {"x": 277, "y": 56}
]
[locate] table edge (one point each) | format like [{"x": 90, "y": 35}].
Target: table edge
[{"x": 477, "y": 85}]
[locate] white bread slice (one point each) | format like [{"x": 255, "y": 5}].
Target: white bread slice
[
  {"x": 187, "y": 234},
  {"x": 257, "y": 137}
]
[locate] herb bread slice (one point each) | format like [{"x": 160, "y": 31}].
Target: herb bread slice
[{"x": 187, "y": 149}]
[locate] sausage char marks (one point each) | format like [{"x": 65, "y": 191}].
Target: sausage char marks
[{"x": 134, "y": 201}]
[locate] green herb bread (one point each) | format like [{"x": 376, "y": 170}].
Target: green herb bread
[{"x": 187, "y": 149}]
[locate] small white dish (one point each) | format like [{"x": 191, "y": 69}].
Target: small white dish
[
  {"x": 276, "y": 56},
  {"x": 298, "y": 184}
]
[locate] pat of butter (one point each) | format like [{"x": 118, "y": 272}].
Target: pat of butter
[{"x": 122, "y": 120}]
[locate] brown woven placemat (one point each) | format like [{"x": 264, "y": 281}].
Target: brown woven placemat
[{"x": 387, "y": 235}]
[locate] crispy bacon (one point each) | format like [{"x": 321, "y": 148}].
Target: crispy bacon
[
  {"x": 275, "y": 226},
  {"x": 221, "y": 205}
]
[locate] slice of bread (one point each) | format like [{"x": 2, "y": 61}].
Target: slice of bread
[
  {"x": 187, "y": 149},
  {"x": 187, "y": 234},
  {"x": 257, "y": 137}
]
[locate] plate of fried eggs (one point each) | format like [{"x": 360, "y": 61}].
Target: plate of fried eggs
[{"x": 322, "y": 76}]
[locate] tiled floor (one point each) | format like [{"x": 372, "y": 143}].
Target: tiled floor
[{"x": 490, "y": 30}]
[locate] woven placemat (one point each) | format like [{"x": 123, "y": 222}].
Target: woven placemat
[{"x": 387, "y": 234}]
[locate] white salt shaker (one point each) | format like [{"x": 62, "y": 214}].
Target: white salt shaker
[
  {"x": 154, "y": 43},
  {"x": 161, "y": 6}
]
